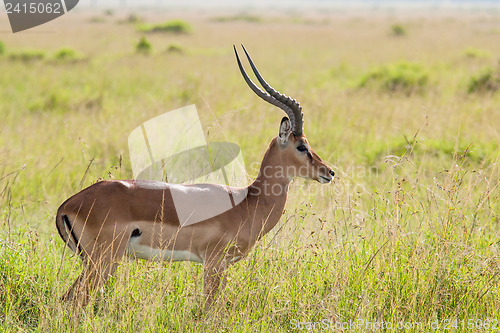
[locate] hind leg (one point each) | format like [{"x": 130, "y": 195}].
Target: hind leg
[
  {"x": 90, "y": 279},
  {"x": 97, "y": 268}
]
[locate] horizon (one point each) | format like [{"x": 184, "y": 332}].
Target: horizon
[{"x": 259, "y": 4}]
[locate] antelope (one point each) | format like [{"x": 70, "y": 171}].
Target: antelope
[{"x": 137, "y": 218}]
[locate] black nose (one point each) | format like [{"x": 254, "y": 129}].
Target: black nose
[{"x": 332, "y": 173}]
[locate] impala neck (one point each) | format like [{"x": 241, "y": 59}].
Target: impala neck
[{"x": 269, "y": 190}]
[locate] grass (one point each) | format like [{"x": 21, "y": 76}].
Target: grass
[
  {"x": 67, "y": 54},
  {"x": 488, "y": 80},
  {"x": 28, "y": 55},
  {"x": 61, "y": 55},
  {"x": 239, "y": 17},
  {"x": 408, "y": 233},
  {"x": 175, "y": 48},
  {"x": 172, "y": 26},
  {"x": 474, "y": 53},
  {"x": 401, "y": 77}
]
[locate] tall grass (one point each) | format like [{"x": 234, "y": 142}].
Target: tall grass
[{"x": 408, "y": 233}]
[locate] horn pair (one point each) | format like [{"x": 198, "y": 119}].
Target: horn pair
[{"x": 291, "y": 107}]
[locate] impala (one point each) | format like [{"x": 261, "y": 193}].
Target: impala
[{"x": 138, "y": 219}]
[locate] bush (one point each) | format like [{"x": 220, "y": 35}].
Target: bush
[
  {"x": 175, "y": 48},
  {"x": 474, "y": 53},
  {"x": 67, "y": 54},
  {"x": 143, "y": 46},
  {"x": 403, "y": 77},
  {"x": 398, "y": 30},
  {"x": 174, "y": 26},
  {"x": 2, "y": 48},
  {"x": 133, "y": 18},
  {"x": 486, "y": 81},
  {"x": 27, "y": 55}
]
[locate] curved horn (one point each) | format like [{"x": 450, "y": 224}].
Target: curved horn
[{"x": 291, "y": 107}]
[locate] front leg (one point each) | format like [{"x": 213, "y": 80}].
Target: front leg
[{"x": 214, "y": 278}]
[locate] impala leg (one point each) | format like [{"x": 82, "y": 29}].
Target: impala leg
[
  {"x": 92, "y": 277},
  {"x": 96, "y": 271},
  {"x": 214, "y": 278},
  {"x": 71, "y": 295}
]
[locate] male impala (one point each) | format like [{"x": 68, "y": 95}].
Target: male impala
[{"x": 138, "y": 219}]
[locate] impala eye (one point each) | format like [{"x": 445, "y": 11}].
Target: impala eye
[{"x": 302, "y": 148}]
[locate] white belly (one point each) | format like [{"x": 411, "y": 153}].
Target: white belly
[{"x": 140, "y": 251}]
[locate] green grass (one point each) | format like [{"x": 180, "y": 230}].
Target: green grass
[
  {"x": 27, "y": 55},
  {"x": 474, "y": 53},
  {"x": 239, "y": 18},
  {"x": 401, "y": 77},
  {"x": 408, "y": 232},
  {"x": 175, "y": 48},
  {"x": 487, "y": 81},
  {"x": 67, "y": 54},
  {"x": 173, "y": 26}
]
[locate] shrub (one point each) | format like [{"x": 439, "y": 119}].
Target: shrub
[
  {"x": 143, "y": 46},
  {"x": 27, "y": 55},
  {"x": 474, "y": 53},
  {"x": 174, "y": 26},
  {"x": 486, "y": 81},
  {"x": 175, "y": 48},
  {"x": 67, "y": 54},
  {"x": 2, "y": 48},
  {"x": 133, "y": 18},
  {"x": 404, "y": 77},
  {"x": 398, "y": 30}
]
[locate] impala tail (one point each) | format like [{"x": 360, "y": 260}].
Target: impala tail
[{"x": 67, "y": 233}]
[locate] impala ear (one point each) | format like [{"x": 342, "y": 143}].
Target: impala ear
[{"x": 285, "y": 130}]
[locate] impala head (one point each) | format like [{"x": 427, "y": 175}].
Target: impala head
[{"x": 291, "y": 145}]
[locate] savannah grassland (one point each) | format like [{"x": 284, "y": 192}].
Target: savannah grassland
[{"x": 404, "y": 106}]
